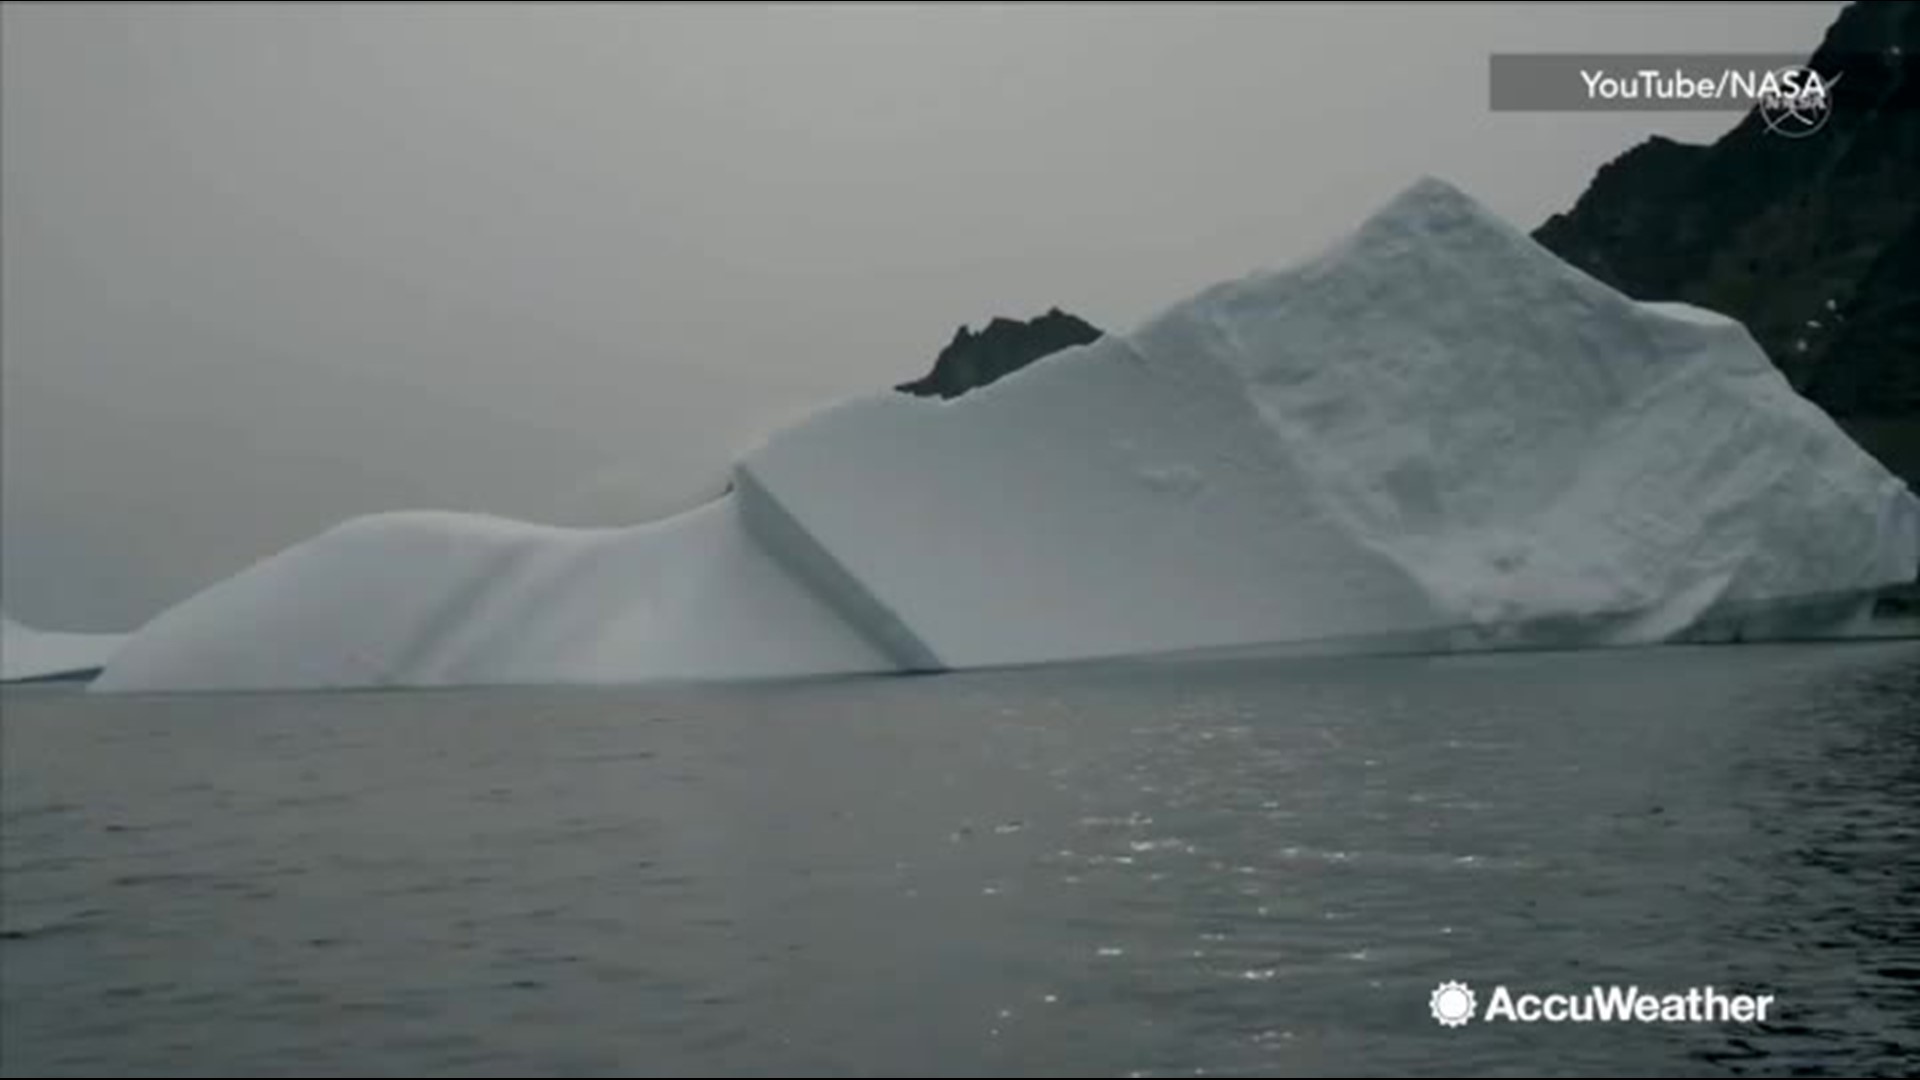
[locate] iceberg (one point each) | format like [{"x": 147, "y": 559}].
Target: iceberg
[
  {"x": 443, "y": 599},
  {"x": 1434, "y": 435},
  {"x": 29, "y": 655}
]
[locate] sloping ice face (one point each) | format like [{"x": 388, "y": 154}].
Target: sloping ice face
[
  {"x": 28, "y": 653},
  {"x": 1435, "y": 435},
  {"x": 436, "y": 599}
]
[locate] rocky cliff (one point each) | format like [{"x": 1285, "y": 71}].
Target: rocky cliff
[
  {"x": 973, "y": 360},
  {"x": 1813, "y": 243}
]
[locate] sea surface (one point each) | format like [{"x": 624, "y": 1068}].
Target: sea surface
[{"x": 1233, "y": 869}]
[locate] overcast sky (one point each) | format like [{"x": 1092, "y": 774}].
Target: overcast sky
[{"x": 268, "y": 268}]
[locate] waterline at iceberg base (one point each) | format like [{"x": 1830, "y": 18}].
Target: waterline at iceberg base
[{"x": 1435, "y": 435}]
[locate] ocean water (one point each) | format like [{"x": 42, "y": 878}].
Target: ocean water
[{"x": 1191, "y": 869}]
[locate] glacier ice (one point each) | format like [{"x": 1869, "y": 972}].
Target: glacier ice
[
  {"x": 28, "y": 653},
  {"x": 1433, "y": 435},
  {"x": 436, "y": 599}
]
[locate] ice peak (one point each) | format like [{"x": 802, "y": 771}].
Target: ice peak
[
  {"x": 1433, "y": 189},
  {"x": 1432, "y": 207}
]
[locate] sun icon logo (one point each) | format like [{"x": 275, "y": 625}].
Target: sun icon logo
[{"x": 1452, "y": 1003}]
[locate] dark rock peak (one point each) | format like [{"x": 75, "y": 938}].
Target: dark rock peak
[
  {"x": 1808, "y": 241},
  {"x": 1004, "y": 346}
]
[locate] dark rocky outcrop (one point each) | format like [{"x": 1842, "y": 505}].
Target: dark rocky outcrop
[
  {"x": 973, "y": 360},
  {"x": 1813, "y": 243}
]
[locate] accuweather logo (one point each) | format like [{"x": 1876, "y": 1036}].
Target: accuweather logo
[{"x": 1453, "y": 1004}]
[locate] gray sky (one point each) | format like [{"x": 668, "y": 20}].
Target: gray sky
[{"x": 265, "y": 269}]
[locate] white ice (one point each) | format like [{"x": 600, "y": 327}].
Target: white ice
[
  {"x": 1434, "y": 435},
  {"x": 435, "y": 599},
  {"x": 28, "y": 653}
]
